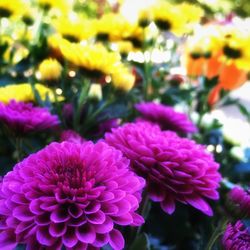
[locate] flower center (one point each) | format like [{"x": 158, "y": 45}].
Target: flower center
[
  {"x": 71, "y": 38},
  {"x": 4, "y": 12},
  {"x": 137, "y": 43},
  {"x": 231, "y": 52},
  {"x": 74, "y": 177},
  {"x": 102, "y": 36},
  {"x": 163, "y": 24}
]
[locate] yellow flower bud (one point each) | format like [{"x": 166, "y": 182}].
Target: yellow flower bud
[
  {"x": 50, "y": 69},
  {"x": 123, "y": 79}
]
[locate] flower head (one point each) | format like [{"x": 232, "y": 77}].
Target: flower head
[
  {"x": 8, "y": 8},
  {"x": 50, "y": 69},
  {"x": 115, "y": 27},
  {"x": 93, "y": 59},
  {"x": 235, "y": 46},
  {"x": 175, "y": 169},
  {"x": 236, "y": 237},
  {"x": 24, "y": 92},
  {"x": 166, "y": 117},
  {"x": 74, "y": 29},
  {"x": 23, "y": 117},
  {"x": 69, "y": 194},
  {"x": 169, "y": 17},
  {"x": 241, "y": 198}
]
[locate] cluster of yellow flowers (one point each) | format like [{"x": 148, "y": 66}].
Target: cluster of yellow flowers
[{"x": 77, "y": 39}]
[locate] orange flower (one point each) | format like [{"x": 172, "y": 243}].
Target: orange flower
[
  {"x": 230, "y": 78},
  {"x": 195, "y": 67}
]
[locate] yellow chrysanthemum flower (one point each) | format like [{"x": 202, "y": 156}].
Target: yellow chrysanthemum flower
[
  {"x": 9, "y": 8},
  {"x": 93, "y": 59},
  {"x": 28, "y": 16},
  {"x": 115, "y": 27},
  {"x": 123, "y": 78},
  {"x": 177, "y": 19},
  {"x": 205, "y": 42},
  {"x": 23, "y": 92},
  {"x": 62, "y": 5},
  {"x": 145, "y": 17},
  {"x": 50, "y": 69},
  {"x": 75, "y": 29},
  {"x": 167, "y": 17},
  {"x": 236, "y": 47}
]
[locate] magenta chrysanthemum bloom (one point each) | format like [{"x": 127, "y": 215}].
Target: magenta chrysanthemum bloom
[
  {"x": 69, "y": 194},
  {"x": 23, "y": 117},
  {"x": 71, "y": 136},
  {"x": 241, "y": 198},
  {"x": 175, "y": 169},
  {"x": 166, "y": 117},
  {"x": 236, "y": 237}
]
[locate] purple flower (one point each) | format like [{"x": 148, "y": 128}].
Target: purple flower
[
  {"x": 166, "y": 117},
  {"x": 69, "y": 194},
  {"x": 25, "y": 118},
  {"x": 241, "y": 198},
  {"x": 175, "y": 169},
  {"x": 107, "y": 125},
  {"x": 236, "y": 237},
  {"x": 71, "y": 136}
]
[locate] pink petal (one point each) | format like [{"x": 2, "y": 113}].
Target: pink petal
[
  {"x": 57, "y": 229},
  {"x": 116, "y": 240},
  {"x": 96, "y": 218},
  {"x": 69, "y": 239},
  {"x": 44, "y": 237},
  {"x": 86, "y": 233},
  {"x": 168, "y": 205},
  {"x": 59, "y": 215},
  {"x": 7, "y": 240},
  {"x": 105, "y": 227}
]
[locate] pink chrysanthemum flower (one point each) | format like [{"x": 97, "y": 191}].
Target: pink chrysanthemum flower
[
  {"x": 166, "y": 117},
  {"x": 69, "y": 194},
  {"x": 236, "y": 237},
  {"x": 71, "y": 136},
  {"x": 241, "y": 198},
  {"x": 175, "y": 169},
  {"x": 24, "y": 118}
]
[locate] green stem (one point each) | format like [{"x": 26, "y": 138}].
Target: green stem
[
  {"x": 18, "y": 145},
  {"x": 146, "y": 68},
  {"x": 81, "y": 100},
  {"x": 217, "y": 233},
  {"x": 143, "y": 210}
]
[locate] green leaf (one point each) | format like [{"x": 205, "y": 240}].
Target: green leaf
[
  {"x": 244, "y": 111},
  {"x": 141, "y": 242}
]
